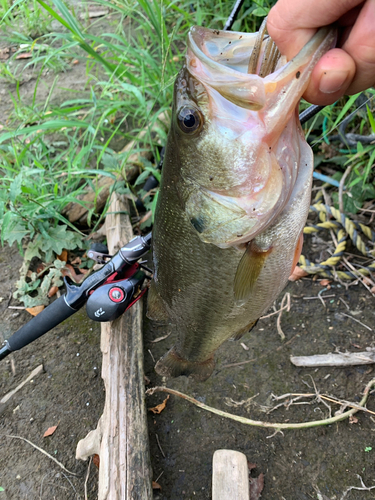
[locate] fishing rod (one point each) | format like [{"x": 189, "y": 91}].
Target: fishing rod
[{"x": 107, "y": 293}]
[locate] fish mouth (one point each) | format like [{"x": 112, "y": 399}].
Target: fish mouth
[{"x": 245, "y": 67}]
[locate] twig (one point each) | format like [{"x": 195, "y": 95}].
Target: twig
[
  {"x": 320, "y": 297},
  {"x": 286, "y": 299},
  {"x": 362, "y": 488},
  {"x": 153, "y": 359},
  {"x": 345, "y": 303},
  {"x": 356, "y": 320},
  {"x": 34, "y": 373},
  {"x": 87, "y": 477},
  {"x": 231, "y": 365},
  {"x": 159, "y": 339},
  {"x": 279, "y": 310},
  {"x": 157, "y": 440},
  {"x": 42, "y": 451},
  {"x": 341, "y": 187},
  {"x": 270, "y": 425}
]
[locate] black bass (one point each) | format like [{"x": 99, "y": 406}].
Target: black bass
[{"x": 235, "y": 191}]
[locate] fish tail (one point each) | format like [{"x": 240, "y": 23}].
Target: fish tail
[{"x": 173, "y": 364}]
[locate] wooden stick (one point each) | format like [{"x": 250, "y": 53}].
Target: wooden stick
[
  {"x": 335, "y": 359},
  {"x": 39, "y": 369},
  {"x": 121, "y": 438},
  {"x": 230, "y": 476}
]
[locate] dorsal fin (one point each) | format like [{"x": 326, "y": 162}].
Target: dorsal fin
[{"x": 248, "y": 270}]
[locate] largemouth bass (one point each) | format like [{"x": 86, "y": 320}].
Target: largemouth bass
[{"x": 234, "y": 194}]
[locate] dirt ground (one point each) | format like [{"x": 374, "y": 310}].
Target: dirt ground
[
  {"x": 296, "y": 464},
  {"x": 317, "y": 463}
]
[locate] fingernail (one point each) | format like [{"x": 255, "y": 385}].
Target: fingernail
[{"x": 332, "y": 81}]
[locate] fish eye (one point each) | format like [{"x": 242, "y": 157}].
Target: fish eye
[{"x": 189, "y": 119}]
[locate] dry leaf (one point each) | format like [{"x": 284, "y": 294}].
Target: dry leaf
[
  {"x": 97, "y": 13},
  {"x": 159, "y": 408},
  {"x": 156, "y": 486},
  {"x": 25, "y": 55},
  {"x": 53, "y": 291},
  {"x": 35, "y": 310},
  {"x": 256, "y": 487},
  {"x": 63, "y": 256},
  {"x": 297, "y": 274},
  {"x": 96, "y": 460},
  {"x": 325, "y": 282},
  {"x": 353, "y": 419},
  {"x": 50, "y": 431},
  {"x": 76, "y": 260},
  {"x": 4, "y": 53},
  {"x": 40, "y": 268},
  {"x": 68, "y": 270}
]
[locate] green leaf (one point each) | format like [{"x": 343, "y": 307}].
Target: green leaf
[
  {"x": 371, "y": 119},
  {"x": 15, "y": 188}
]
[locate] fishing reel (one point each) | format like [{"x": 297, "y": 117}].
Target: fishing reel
[{"x": 107, "y": 293}]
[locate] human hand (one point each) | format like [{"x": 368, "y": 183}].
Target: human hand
[{"x": 347, "y": 69}]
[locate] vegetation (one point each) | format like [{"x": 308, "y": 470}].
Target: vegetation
[{"x": 50, "y": 153}]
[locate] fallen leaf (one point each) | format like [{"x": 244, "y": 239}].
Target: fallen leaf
[
  {"x": 156, "y": 486},
  {"x": 4, "y": 53},
  {"x": 297, "y": 274},
  {"x": 53, "y": 291},
  {"x": 353, "y": 419},
  {"x": 159, "y": 408},
  {"x": 96, "y": 460},
  {"x": 68, "y": 270},
  {"x": 25, "y": 55},
  {"x": 256, "y": 487},
  {"x": 325, "y": 282},
  {"x": 97, "y": 13},
  {"x": 50, "y": 431},
  {"x": 63, "y": 256},
  {"x": 40, "y": 268},
  {"x": 34, "y": 311}
]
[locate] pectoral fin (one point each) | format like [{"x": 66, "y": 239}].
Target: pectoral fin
[{"x": 248, "y": 270}]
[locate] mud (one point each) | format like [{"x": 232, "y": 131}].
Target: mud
[{"x": 297, "y": 464}]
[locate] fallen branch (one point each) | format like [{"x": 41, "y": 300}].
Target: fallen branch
[
  {"x": 270, "y": 425},
  {"x": 335, "y": 359}
]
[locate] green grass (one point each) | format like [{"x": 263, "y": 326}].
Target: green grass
[{"x": 50, "y": 153}]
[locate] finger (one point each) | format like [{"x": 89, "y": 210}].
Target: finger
[
  {"x": 360, "y": 45},
  {"x": 332, "y": 76},
  {"x": 292, "y": 23}
]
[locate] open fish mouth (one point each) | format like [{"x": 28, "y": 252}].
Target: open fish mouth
[{"x": 251, "y": 95}]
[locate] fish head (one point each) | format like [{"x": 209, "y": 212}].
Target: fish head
[{"x": 236, "y": 135}]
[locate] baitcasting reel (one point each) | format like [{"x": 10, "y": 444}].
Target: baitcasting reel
[{"x": 108, "y": 292}]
